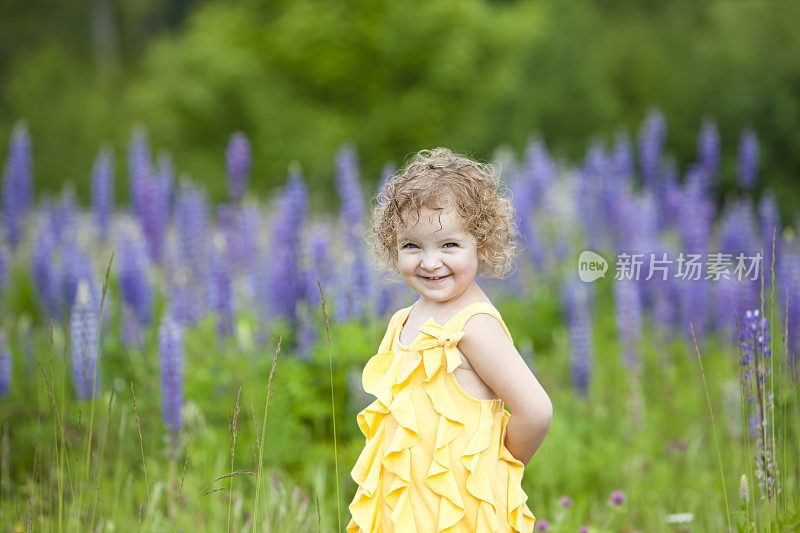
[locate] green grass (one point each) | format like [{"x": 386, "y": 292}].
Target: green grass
[{"x": 269, "y": 440}]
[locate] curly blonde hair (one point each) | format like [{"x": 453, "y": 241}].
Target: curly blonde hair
[{"x": 437, "y": 179}]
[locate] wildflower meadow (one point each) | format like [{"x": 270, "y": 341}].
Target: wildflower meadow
[{"x": 176, "y": 364}]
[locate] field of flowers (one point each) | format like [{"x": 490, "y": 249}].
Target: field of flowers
[{"x": 172, "y": 364}]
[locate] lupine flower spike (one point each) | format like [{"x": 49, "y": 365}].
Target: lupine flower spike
[
  {"x": 170, "y": 351},
  {"x": 755, "y": 352}
]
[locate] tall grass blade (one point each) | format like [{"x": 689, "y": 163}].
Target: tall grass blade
[
  {"x": 333, "y": 408},
  {"x": 260, "y": 443},
  {"x": 714, "y": 428},
  {"x": 141, "y": 443}
]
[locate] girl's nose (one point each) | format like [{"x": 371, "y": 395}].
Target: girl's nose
[{"x": 431, "y": 261}]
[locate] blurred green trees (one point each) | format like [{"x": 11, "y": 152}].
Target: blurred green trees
[{"x": 301, "y": 77}]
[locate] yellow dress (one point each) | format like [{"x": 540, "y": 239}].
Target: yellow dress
[{"x": 434, "y": 458}]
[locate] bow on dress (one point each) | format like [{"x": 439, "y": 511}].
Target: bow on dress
[{"x": 437, "y": 336}]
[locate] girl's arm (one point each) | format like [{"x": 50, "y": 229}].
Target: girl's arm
[{"x": 498, "y": 363}]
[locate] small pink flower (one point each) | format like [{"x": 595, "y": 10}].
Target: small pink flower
[
  {"x": 584, "y": 529},
  {"x": 617, "y": 498},
  {"x": 542, "y": 525},
  {"x": 565, "y": 501}
]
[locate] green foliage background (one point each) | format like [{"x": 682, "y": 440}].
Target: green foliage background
[{"x": 301, "y": 77}]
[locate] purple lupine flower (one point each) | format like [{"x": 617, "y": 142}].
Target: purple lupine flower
[
  {"x": 78, "y": 266},
  {"x": 220, "y": 289},
  {"x": 648, "y": 241},
  {"x": 698, "y": 182},
  {"x": 756, "y": 349},
  {"x": 132, "y": 332},
  {"x": 46, "y": 271},
  {"x": 540, "y": 169},
  {"x": 651, "y": 144},
  {"x": 150, "y": 191},
  {"x": 64, "y": 218},
  {"x": 617, "y": 180},
  {"x": 610, "y": 185},
  {"x": 524, "y": 202},
  {"x": 617, "y": 498},
  {"x": 249, "y": 230},
  {"x": 153, "y": 213},
  {"x": 669, "y": 196},
  {"x": 708, "y": 147},
  {"x": 566, "y": 501},
  {"x": 139, "y": 167},
  {"x": 597, "y": 160},
  {"x": 748, "y": 159},
  {"x": 238, "y": 157},
  {"x": 788, "y": 288},
  {"x": 738, "y": 237},
  {"x": 241, "y": 225},
  {"x": 637, "y": 229},
  {"x": 103, "y": 190},
  {"x": 286, "y": 280},
  {"x": 5, "y": 366},
  {"x": 664, "y": 312},
  {"x": 347, "y": 182},
  {"x": 4, "y": 262},
  {"x": 187, "y": 294},
  {"x": 576, "y": 300},
  {"x": 637, "y": 218},
  {"x": 693, "y": 303},
  {"x": 165, "y": 181},
  {"x": 623, "y": 156},
  {"x": 260, "y": 280},
  {"x": 185, "y": 300},
  {"x": 355, "y": 271},
  {"x": 17, "y": 185},
  {"x": 170, "y": 352},
  {"x": 736, "y": 233},
  {"x": 306, "y": 334},
  {"x": 694, "y": 227},
  {"x": 21, "y": 166},
  {"x": 628, "y": 306},
  {"x": 84, "y": 340},
  {"x": 696, "y": 214},
  {"x": 228, "y": 225},
  {"x": 133, "y": 265},
  {"x": 190, "y": 217},
  {"x": 587, "y": 189},
  {"x": 388, "y": 299},
  {"x": 318, "y": 263},
  {"x": 542, "y": 525}
]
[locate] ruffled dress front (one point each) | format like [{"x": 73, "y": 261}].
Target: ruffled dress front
[{"x": 434, "y": 458}]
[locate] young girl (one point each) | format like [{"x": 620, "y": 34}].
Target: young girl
[{"x": 441, "y": 452}]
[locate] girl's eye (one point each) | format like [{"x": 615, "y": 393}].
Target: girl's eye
[
  {"x": 454, "y": 244},
  {"x": 408, "y": 244}
]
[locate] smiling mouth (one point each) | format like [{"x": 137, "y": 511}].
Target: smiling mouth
[{"x": 436, "y": 278}]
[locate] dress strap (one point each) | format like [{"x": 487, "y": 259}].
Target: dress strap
[
  {"x": 397, "y": 318},
  {"x": 459, "y": 320}
]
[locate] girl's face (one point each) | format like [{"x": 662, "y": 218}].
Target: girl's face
[{"x": 428, "y": 249}]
